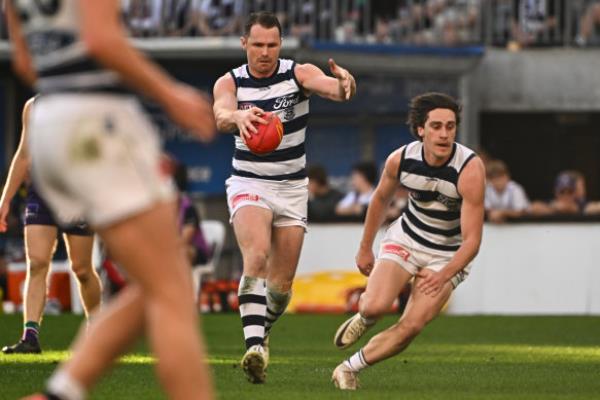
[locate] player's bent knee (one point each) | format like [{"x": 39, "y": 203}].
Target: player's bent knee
[
  {"x": 38, "y": 265},
  {"x": 83, "y": 273},
  {"x": 373, "y": 308}
]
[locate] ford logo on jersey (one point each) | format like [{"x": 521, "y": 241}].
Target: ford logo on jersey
[{"x": 286, "y": 101}]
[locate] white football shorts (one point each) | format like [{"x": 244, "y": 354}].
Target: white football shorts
[
  {"x": 288, "y": 200},
  {"x": 96, "y": 157},
  {"x": 403, "y": 250}
]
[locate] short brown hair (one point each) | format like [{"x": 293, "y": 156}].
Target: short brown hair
[
  {"x": 368, "y": 170},
  {"x": 496, "y": 168},
  {"x": 263, "y": 18},
  {"x": 318, "y": 174},
  {"x": 421, "y": 105}
]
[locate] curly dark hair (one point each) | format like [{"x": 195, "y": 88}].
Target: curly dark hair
[{"x": 421, "y": 105}]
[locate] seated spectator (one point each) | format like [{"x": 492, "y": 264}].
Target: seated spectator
[
  {"x": 308, "y": 19},
  {"x": 301, "y": 15},
  {"x": 431, "y": 22},
  {"x": 588, "y": 207},
  {"x": 589, "y": 25},
  {"x": 414, "y": 23},
  {"x": 144, "y": 17},
  {"x": 504, "y": 198},
  {"x": 219, "y": 17},
  {"x": 363, "y": 181},
  {"x": 535, "y": 22},
  {"x": 282, "y": 11},
  {"x": 322, "y": 199},
  {"x": 567, "y": 197},
  {"x": 383, "y": 13},
  {"x": 178, "y": 18},
  {"x": 458, "y": 22},
  {"x": 500, "y": 19}
]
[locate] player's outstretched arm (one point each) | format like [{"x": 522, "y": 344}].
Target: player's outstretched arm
[
  {"x": 18, "y": 170},
  {"x": 340, "y": 87},
  {"x": 227, "y": 115},
  {"x": 376, "y": 212},
  {"x": 105, "y": 40}
]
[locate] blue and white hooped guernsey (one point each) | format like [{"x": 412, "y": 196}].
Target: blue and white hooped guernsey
[
  {"x": 432, "y": 217},
  {"x": 52, "y": 30},
  {"x": 281, "y": 94}
]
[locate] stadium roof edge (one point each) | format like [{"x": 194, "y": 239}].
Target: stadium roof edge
[
  {"x": 414, "y": 64},
  {"x": 388, "y": 59},
  {"x": 184, "y": 48},
  {"x": 400, "y": 49}
]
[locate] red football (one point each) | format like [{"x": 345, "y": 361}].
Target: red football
[{"x": 268, "y": 137}]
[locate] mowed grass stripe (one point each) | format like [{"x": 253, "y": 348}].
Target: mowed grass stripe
[{"x": 454, "y": 358}]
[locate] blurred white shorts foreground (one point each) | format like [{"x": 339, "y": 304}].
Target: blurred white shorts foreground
[{"x": 96, "y": 157}]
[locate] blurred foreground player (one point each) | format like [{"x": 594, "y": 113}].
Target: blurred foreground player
[
  {"x": 434, "y": 240},
  {"x": 96, "y": 155},
  {"x": 268, "y": 194},
  {"x": 40, "y": 242}
]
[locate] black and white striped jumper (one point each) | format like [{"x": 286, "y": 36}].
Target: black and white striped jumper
[
  {"x": 52, "y": 31},
  {"x": 432, "y": 218},
  {"x": 281, "y": 94}
]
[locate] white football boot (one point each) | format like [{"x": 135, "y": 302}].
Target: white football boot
[
  {"x": 344, "y": 378},
  {"x": 253, "y": 363},
  {"x": 350, "y": 331}
]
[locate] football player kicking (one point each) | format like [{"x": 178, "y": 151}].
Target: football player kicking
[{"x": 268, "y": 195}]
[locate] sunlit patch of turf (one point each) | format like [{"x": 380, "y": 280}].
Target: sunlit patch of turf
[
  {"x": 455, "y": 358},
  {"x": 47, "y": 357}
]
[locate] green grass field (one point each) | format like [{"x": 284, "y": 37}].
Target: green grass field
[{"x": 454, "y": 358}]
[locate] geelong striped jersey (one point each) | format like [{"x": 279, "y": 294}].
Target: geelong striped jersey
[
  {"x": 432, "y": 218},
  {"x": 281, "y": 94},
  {"x": 52, "y": 30}
]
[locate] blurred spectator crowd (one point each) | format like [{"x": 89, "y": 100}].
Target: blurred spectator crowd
[
  {"x": 513, "y": 23},
  {"x": 505, "y": 199}
]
